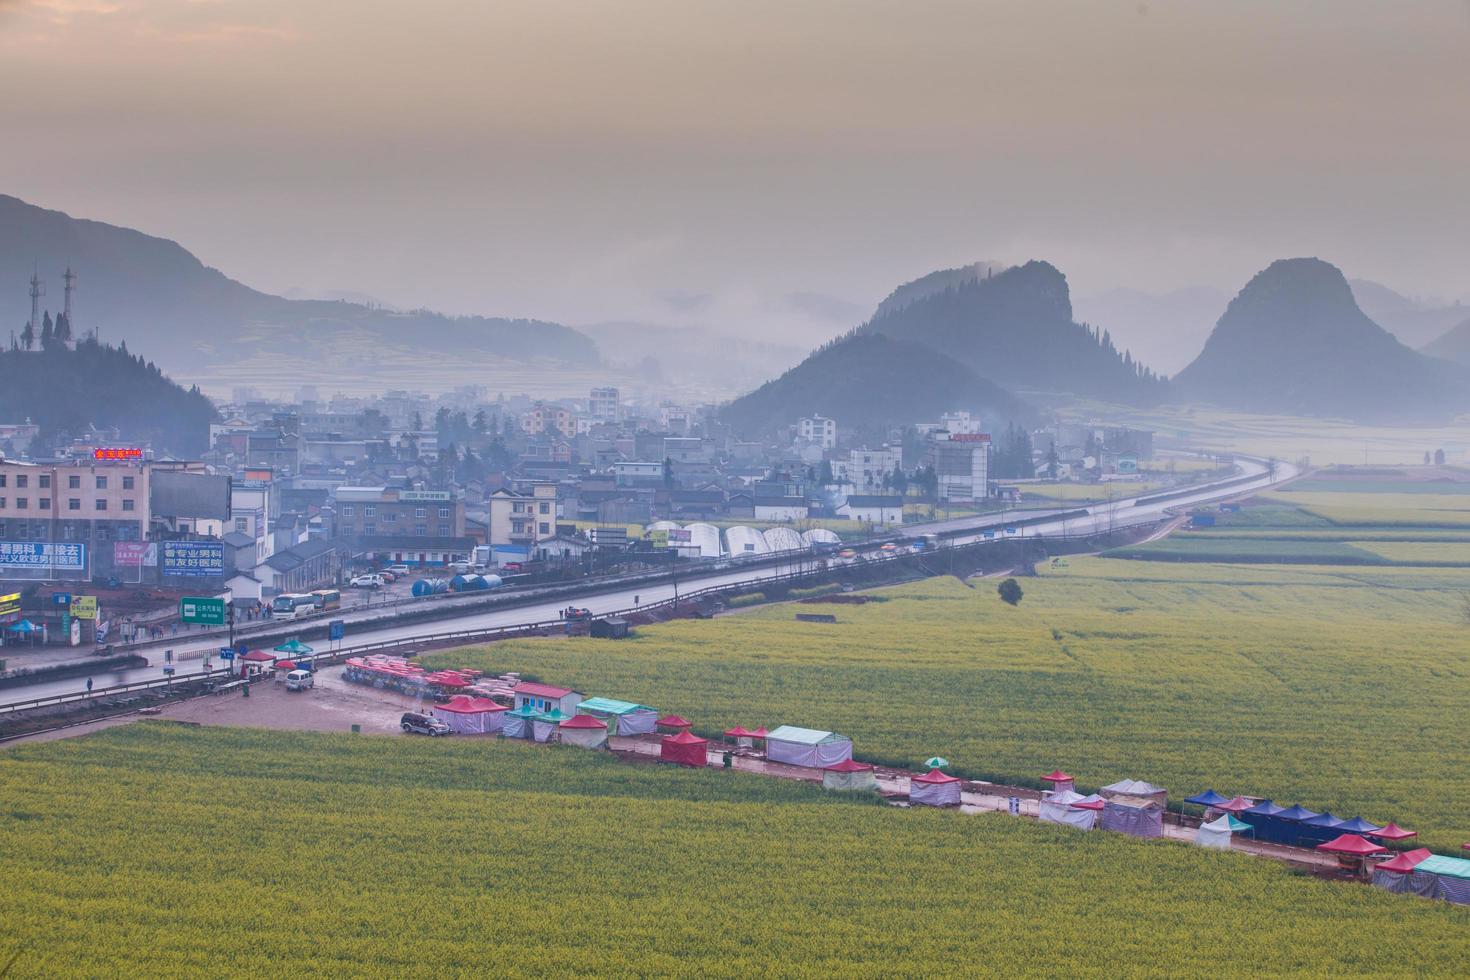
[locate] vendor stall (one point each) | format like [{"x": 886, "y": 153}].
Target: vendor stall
[
  {"x": 807, "y": 747},
  {"x": 546, "y": 724},
  {"x": 622, "y": 717},
  {"x": 1219, "y": 832},
  {"x": 467, "y": 715},
  {"x": 517, "y": 723},
  {"x": 1396, "y": 874},
  {"x": 934, "y": 788},
  {"x": 1134, "y": 815},
  {"x": 584, "y": 731},
  {"x": 848, "y": 776},
  {"x": 684, "y": 749}
]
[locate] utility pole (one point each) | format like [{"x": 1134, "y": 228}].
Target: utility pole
[
  {"x": 69, "y": 280},
  {"x": 38, "y": 289}
]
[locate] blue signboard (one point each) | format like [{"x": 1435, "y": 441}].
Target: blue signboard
[
  {"x": 61, "y": 598},
  {"x": 336, "y": 629},
  {"x": 226, "y": 653},
  {"x": 197, "y": 559},
  {"x": 990, "y": 534},
  {"x": 59, "y": 556}
]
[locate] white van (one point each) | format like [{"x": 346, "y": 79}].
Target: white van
[{"x": 300, "y": 680}]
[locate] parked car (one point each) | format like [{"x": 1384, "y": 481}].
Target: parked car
[
  {"x": 462, "y": 567},
  {"x": 511, "y": 566},
  {"x": 300, "y": 680},
  {"x": 412, "y": 721},
  {"x": 387, "y": 575},
  {"x": 372, "y": 580},
  {"x": 399, "y": 570}
]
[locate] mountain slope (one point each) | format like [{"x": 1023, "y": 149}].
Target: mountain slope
[
  {"x": 64, "y": 391},
  {"x": 1412, "y": 321},
  {"x": 1165, "y": 330},
  {"x": 871, "y": 381},
  {"x": 1294, "y": 341},
  {"x": 1452, "y": 345},
  {"x": 936, "y": 282},
  {"x": 157, "y": 295},
  {"x": 1016, "y": 328}
]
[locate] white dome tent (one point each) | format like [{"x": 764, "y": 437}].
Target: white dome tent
[
  {"x": 782, "y": 539},
  {"x": 705, "y": 537},
  {"x": 819, "y": 536},
  {"x": 745, "y": 541}
]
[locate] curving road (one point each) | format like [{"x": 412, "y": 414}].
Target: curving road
[{"x": 369, "y": 626}]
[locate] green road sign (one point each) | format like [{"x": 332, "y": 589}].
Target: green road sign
[{"x": 202, "y": 610}]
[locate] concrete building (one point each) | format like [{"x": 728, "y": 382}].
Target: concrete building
[
  {"x": 251, "y": 513},
  {"x": 519, "y": 519},
  {"x": 364, "y": 513},
  {"x": 866, "y": 468},
  {"x": 872, "y": 509},
  {"x": 604, "y": 405},
  {"x": 60, "y": 521},
  {"x": 819, "y": 430},
  {"x": 962, "y": 465},
  {"x": 543, "y": 418}
]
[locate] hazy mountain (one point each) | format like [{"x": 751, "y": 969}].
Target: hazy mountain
[
  {"x": 1452, "y": 345},
  {"x": 1413, "y": 321},
  {"x": 64, "y": 391},
  {"x": 723, "y": 365},
  {"x": 935, "y": 282},
  {"x": 1294, "y": 341},
  {"x": 155, "y": 294},
  {"x": 871, "y": 381},
  {"x": 1015, "y": 327},
  {"x": 1164, "y": 330}
]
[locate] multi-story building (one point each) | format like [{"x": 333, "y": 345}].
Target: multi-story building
[
  {"x": 604, "y": 405},
  {"x": 675, "y": 419},
  {"x": 962, "y": 466},
  {"x": 818, "y": 430},
  {"x": 416, "y": 527},
  {"x": 542, "y": 418},
  {"x": 866, "y": 468},
  {"x": 520, "y": 518},
  {"x": 60, "y": 521}
]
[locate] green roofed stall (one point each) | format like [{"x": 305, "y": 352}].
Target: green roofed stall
[{"x": 623, "y": 717}]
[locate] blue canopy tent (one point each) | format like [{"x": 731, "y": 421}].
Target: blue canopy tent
[
  {"x": 26, "y": 628},
  {"x": 1209, "y": 798},
  {"x": 1262, "y": 817},
  {"x": 1293, "y": 820},
  {"x": 1321, "y": 829},
  {"x": 1357, "y": 825}
]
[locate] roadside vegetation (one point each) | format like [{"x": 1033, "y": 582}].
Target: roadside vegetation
[{"x": 167, "y": 851}]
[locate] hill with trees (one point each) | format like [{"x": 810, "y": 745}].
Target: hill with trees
[
  {"x": 1452, "y": 345},
  {"x": 155, "y": 294},
  {"x": 1294, "y": 341},
  {"x": 67, "y": 391},
  {"x": 872, "y": 381},
  {"x": 1016, "y": 328}
]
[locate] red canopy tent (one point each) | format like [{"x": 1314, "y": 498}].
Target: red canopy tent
[
  {"x": 1059, "y": 780},
  {"x": 684, "y": 749},
  {"x": 1394, "y": 832},
  {"x": 673, "y": 721},
  {"x": 759, "y": 732},
  {"x": 285, "y": 665},
  {"x": 848, "y": 765},
  {"x": 934, "y": 788},
  {"x": 1353, "y": 846},
  {"x": 1237, "y": 805},
  {"x": 1405, "y": 862},
  {"x": 584, "y": 721},
  {"x": 737, "y": 732},
  {"x": 1093, "y": 802}
]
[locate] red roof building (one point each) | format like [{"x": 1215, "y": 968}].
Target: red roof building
[
  {"x": 546, "y": 698},
  {"x": 684, "y": 749}
]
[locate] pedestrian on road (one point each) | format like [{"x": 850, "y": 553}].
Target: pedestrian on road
[{"x": 89, "y": 685}]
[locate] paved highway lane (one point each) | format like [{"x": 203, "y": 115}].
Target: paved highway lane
[{"x": 618, "y": 597}]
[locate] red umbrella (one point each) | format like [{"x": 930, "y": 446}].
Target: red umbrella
[
  {"x": 1394, "y": 832},
  {"x": 285, "y": 665},
  {"x": 1353, "y": 845}
]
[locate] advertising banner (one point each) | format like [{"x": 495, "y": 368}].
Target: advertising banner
[
  {"x": 9, "y": 604},
  {"x": 199, "y": 559},
  {"x": 84, "y": 606},
  {"x": 134, "y": 554},
  {"x": 57, "y": 556}
]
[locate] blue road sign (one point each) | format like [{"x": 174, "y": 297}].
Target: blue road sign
[
  {"x": 61, "y": 598},
  {"x": 226, "y": 653},
  {"x": 336, "y": 629}
]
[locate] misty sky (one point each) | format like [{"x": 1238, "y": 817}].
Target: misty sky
[{"x": 690, "y": 161}]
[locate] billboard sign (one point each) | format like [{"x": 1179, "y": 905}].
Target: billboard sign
[
  {"x": 55, "y": 556},
  {"x": 117, "y": 452},
  {"x": 423, "y": 496},
  {"x": 198, "y": 559},
  {"x": 203, "y": 610},
  {"x": 134, "y": 554},
  {"x": 659, "y": 538},
  {"x": 84, "y": 606},
  {"x": 680, "y": 535},
  {"x": 10, "y": 604},
  {"x": 336, "y": 629}
]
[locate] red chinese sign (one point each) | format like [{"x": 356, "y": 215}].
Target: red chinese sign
[{"x": 118, "y": 452}]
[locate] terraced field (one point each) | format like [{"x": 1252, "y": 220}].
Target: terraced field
[
  {"x": 167, "y": 852},
  {"x": 1334, "y": 687}
]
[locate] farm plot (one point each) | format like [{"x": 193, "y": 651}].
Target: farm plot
[
  {"x": 1332, "y": 687},
  {"x": 163, "y": 852}
]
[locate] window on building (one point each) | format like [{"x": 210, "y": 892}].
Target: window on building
[
  {"x": 22, "y": 481},
  {"x": 128, "y": 503},
  {"x": 45, "y": 481},
  {"x": 101, "y": 503},
  {"x": 370, "y": 511},
  {"x": 22, "y": 502},
  {"x": 346, "y": 510},
  {"x": 443, "y": 511},
  {"x": 241, "y": 523},
  {"x": 74, "y": 482},
  {"x": 545, "y": 508},
  {"x": 2, "y": 503},
  {"x": 128, "y": 482},
  {"x": 2, "y": 479},
  {"x": 74, "y": 503},
  {"x": 390, "y": 517},
  {"x": 419, "y": 511},
  {"x": 420, "y": 529},
  {"x": 102, "y": 483},
  {"x": 370, "y": 529},
  {"x": 444, "y": 530},
  {"x": 44, "y": 503},
  {"x": 544, "y": 527}
]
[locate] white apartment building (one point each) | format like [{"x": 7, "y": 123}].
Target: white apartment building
[
  {"x": 605, "y": 405},
  {"x": 818, "y": 429},
  {"x": 866, "y": 468},
  {"x": 962, "y": 465}
]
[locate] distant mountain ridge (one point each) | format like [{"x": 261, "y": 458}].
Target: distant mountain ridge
[
  {"x": 1295, "y": 341},
  {"x": 1452, "y": 345},
  {"x": 936, "y": 282},
  {"x": 1016, "y": 328},
  {"x": 871, "y": 382},
  {"x": 157, "y": 295},
  {"x": 1415, "y": 322}
]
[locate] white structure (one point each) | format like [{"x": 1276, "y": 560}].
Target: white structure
[
  {"x": 745, "y": 541},
  {"x": 872, "y": 509},
  {"x": 934, "y": 788},
  {"x": 819, "y": 536},
  {"x": 584, "y": 731},
  {"x": 961, "y": 465},
  {"x": 779, "y": 539},
  {"x": 819, "y": 430},
  {"x": 706, "y": 538},
  {"x": 781, "y": 509},
  {"x": 1060, "y": 807},
  {"x": 675, "y": 419},
  {"x": 604, "y": 405},
  {"x": 866, "y": 468},
  {"x": 1215, "y": 834},
  {"x": 250, "y": 514},
  {"x": 807, "y": 747},
  {"x": 849, "y": 777},
  {"x": 467, "y": 715}
]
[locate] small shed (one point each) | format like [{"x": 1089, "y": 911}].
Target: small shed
[
  {"x": 622, "y": 717},
  {"x": 1138, "y": 789},
  {"x": 934, "y": 788},
  {"x": 1134, "y": 815},
  {"x": 546, "y": 724},
  {"x": 1070, "y": 808},
  {"x": 545, "y": 697},
  {"x": 848, "y": 776},
  {"x": 609, "y": 628},
  {"x": 517, "y": 723},
  {"x": 807, "y": 747},
  {"x": 684, "y": 749},
  {"x": 584, "y": 731},
  {"x": 467, "y": 715},
  {"x": 1445, "y": 878}
]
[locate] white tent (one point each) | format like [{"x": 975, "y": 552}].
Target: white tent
[
  {"x": 663, "y": 526},
  {"x": 934, "y": 788},
  {"x": 807, "y": 747},
  {"x": 1136, "y": 787},
  {"x": 1058, "y": 807},
  {"x": 779, "y": 539},
  {"x": 818, "y": 536},
  {"x": 467, "y": 715},
  {"x": 745, "y": 541},
  {"x": 584, "y": 731},
  {"x": 849, "y": 777},
  {"x": 1214, "y": 834},
  {"x": 705, "y": 537}
]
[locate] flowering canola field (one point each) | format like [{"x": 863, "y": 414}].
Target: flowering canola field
[{"x": 163, "y": 851}]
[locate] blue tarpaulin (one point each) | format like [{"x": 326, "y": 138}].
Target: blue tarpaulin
[
  {"x": 1208, "y": 798},
  {"x": 1357, "y": 825}
]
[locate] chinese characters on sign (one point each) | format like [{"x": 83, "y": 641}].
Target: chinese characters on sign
[
  {"x": 200, "y": 559},
  {"x": 117, "y": 452},
  {"x": 60, "y": 556}
]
